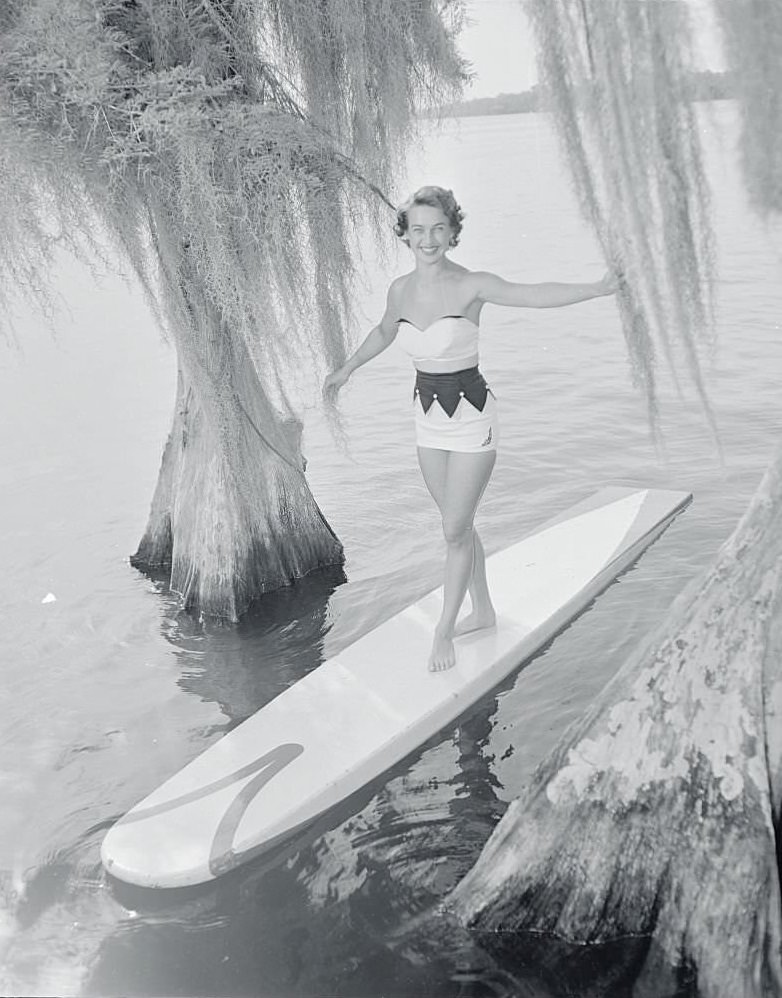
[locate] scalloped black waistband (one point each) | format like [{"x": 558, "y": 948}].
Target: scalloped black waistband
[{"x": 448, "y": 389}]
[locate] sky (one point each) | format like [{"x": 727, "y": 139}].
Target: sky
[{"x": 499, "y": 44}]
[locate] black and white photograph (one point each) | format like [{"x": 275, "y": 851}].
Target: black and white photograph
[{"x": 391, "y": 498}]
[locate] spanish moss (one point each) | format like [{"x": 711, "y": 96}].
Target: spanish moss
[
  {"x": 752, "y": 32},
  {"x": 616, "y": 74},
  {"x": 228, "y": 149}
]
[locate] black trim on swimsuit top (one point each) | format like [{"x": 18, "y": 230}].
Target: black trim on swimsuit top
[
  {"x": 423, "y": 330},
  {"x": 449, "y": 389}
]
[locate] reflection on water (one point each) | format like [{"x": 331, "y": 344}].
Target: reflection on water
[{"x": 242, "y": 667}]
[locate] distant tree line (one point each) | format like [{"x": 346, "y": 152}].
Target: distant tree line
[{"x": 705, "y": 85}]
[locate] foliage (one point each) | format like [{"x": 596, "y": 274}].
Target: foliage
[
  {"x": 752, "y": 30},
  {"x": 229, "y": 149},
  {"x": 232, "y": 132},
  {"x": 616, "y": 74}
]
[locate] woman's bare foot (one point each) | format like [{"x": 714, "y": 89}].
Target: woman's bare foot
[
  {"x": 443, "y": 655},
  {"x": 476, "y": 621}
]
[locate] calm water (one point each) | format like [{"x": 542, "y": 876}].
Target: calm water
[{"x": 108, "y": 690}]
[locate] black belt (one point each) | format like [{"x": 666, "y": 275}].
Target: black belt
[{"x": 449, "y": 388}]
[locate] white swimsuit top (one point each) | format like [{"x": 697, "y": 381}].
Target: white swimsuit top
[{"x": 449, "y": 338}]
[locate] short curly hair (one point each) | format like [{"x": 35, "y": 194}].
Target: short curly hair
[{"x": 432, "y": 197}]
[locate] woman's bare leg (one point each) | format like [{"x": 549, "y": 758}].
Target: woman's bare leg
[
  {"x": 482, "y": 613},
  {"x": 434, "y": 468},
  {"x": 466, "y": 478}
]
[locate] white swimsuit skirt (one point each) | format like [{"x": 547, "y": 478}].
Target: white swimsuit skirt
[{"x": 468, "y": 429}]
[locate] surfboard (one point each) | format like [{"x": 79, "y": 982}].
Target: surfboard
[{"x": 368, "y": 707}]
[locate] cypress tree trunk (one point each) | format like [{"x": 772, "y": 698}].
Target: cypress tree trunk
[
  {"x": 232, "y": 515},
  {"x": 658, "y": 813}
]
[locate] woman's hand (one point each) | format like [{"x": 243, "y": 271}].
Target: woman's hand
[
  {"x": 608, "y": 283},
  {"x": 334, "y": 382}
]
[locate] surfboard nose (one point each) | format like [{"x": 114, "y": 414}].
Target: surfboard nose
[
  {"x": 128, "y": 855},
  {"x": 185, "y": 833}
]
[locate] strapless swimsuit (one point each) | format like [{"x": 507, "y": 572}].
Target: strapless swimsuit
[{"x": 456, "y": 410}]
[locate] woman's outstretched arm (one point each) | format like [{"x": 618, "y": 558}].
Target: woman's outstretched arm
[
  {"x": 493, "y": 289},
  {"x": 375, "y": 342}
]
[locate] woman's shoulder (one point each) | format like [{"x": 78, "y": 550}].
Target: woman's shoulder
[
  {"x": 396, "y": 290},
  {"x": 469, "y": 281},
  {"x": 398, "y": 284},
  {"x": 465, "y": 276}
]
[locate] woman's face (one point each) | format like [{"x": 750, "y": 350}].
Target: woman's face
[{"x": 429, "y": 232}]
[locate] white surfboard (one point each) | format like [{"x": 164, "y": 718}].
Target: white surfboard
[{"x": 359, "y": 713}]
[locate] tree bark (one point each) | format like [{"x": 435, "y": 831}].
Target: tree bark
[
  {"x": 232, "y": 516},
  {"x": 657, "y": 813}
]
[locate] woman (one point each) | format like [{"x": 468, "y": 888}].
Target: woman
[{"x": 433, "y": 314}]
